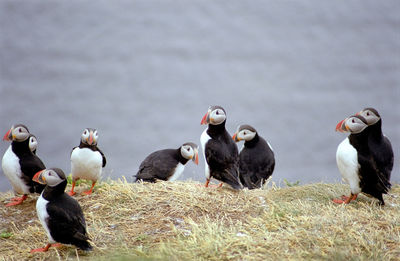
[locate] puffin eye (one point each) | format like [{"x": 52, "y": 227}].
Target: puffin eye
[
  {"x": 367, "y": 113},
  {"x": 20, "y": 130},
  {"x": 353, "y": 121}
]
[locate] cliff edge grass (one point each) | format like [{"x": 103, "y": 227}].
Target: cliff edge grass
[{"x": 186, "y": 221}]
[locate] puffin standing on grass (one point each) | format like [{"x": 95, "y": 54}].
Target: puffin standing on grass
[
  {"x": 356, "y": 163},
  {"x": 60, "y": 215},
  {"x": 19, "y": 163},
  {"x": 379, "y": 144},
  {"x": 256, "y": 158},
  {"x": 87, "y": 160},
  {"x": 167, "y": 164},
  {"x": 220, "y": 151}
]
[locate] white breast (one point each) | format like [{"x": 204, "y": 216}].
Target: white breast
[
  {"x": 12, "y": 170},
  {"x": 43, "y": 216},
  {"x": 203, "y": 140},
  {"x": 86, "y": 164},
  {"x": 346, "y": 159},
  {"x": 177, "y": 172}
]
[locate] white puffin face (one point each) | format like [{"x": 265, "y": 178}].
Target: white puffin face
[
  {"x": 19, "y": 133},
  {"x": 190, "y": 151},
  {"x": 244, "y": 133},
  {"x": 33, "y": 143},
  {"x": 216, "y": 116},
  {"x": 370, "y": 115},
  {"x": 89, "y": 136},
  {"x": 354, "y": 124},
  {"x": 49, "y": 177}
]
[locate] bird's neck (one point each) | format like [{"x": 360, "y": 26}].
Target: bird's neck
[
  {"x": 376, "y": 131},
  {"x": 251, "y": 143},
  {"x": 84, "y": 145},
  {"x": 58, "y": 190},
  {"x": 180, "y": 158},
  {"x": 21, "y": 148},
  {"x": 214, "y": 130},
  {"x": 359, "y": 140}
]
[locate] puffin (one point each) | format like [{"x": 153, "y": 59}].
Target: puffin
[
  {"x": 60, "y": 215},
  {"x": 219, "y": 150},
  {"x": 356, "y": 163},
  {"x": 19, "y": 163},
  {"x": 87, "y": 160},
  {"x": 167, "y": 164},
  {"x": 379, "y": 144},
  {"x": 256, "y": 158}
]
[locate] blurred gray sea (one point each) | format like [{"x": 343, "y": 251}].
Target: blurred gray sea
[{"x": 144, "y": 72}]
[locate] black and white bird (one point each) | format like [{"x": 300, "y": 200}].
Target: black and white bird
[
  {"x": 87, "y": 160},
  {"x": 256, "y": 158},
  {"x": 19, "y": 163},
  {"x": 167, "y": 164},
  {"x": 219, "y": 150},
  {"x": 60, "y": 215},
  {"x": 379, "y": 144},
  {"x": 356, "y": 164}
]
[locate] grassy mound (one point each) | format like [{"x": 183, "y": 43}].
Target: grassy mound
[{"x": 185, "y": 221}]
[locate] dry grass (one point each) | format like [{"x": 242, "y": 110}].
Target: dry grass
[{"x": 185, "y": 221}]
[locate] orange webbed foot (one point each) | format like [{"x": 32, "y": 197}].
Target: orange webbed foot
[{"x": 17, "y": 201}]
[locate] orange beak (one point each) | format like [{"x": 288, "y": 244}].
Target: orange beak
[
  {"x": 204, "y": 119},
  {"x": 341, "y": 126},
  {"x": 196, "y": 158},
  {"x": 39, "y": 177},
  {"x": 234, "y": 137},
  {"x": 7, "y": 137},
  {"x": 90, "y": 142}
]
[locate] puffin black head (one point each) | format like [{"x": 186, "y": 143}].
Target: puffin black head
[
  {"x": 33, "y": 143},
  {"x": 190, "y": 151},
  {"x": 371, "y": 115},
  {"x": 215, "y": 115},
  {"x": 89, "y": 136},
  {"x": 52, "y": 177},
  {"x": 353, "y": 124},
  {"x": 244, "y": 132},
  {"x": 18, "y": 132}
]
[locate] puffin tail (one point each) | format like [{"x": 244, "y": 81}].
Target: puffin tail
[
  {"x": 231, "y": 178},
  {"x": 85, "y": 245}
]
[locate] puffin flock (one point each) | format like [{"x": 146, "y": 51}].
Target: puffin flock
[{"x": 364, "y": 159}]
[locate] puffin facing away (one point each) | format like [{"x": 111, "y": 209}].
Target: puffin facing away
[
  {"x": 379, "y": 144},
  {"x": 20, "y": 164},
  {"x": 356, "y": 164},
  {"x": 87, "y": 160},
  {"x": 219, "y": 150},
  {"x": 60, "y": 215},
  {"x": 167, "y": 164},
  {"x": 256, "y": 158}
]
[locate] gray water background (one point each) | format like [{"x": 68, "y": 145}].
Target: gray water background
[{"x": 144, "y": 72}]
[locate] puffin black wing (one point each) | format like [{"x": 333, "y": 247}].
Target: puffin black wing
[
  {"x": 104, "y": 157},
  {"x": 223, "y": 161},
  {"x": 158, "y": 165},
  {"x": 67, "y": 223},
  {"x": 29, "y": 167},
  {"x": 384, "y": 160}
]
